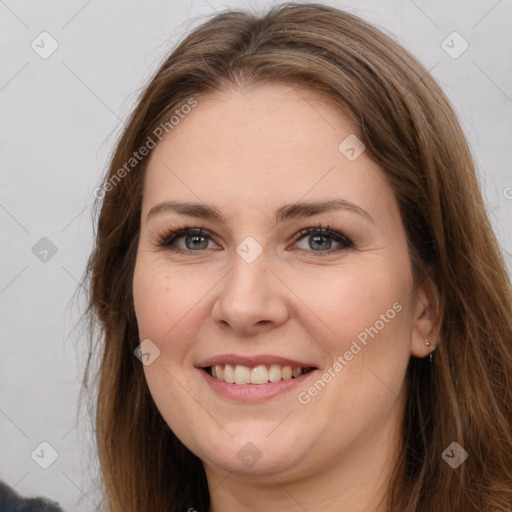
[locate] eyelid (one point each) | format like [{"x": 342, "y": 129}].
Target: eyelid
[
  {"x": 170, "y": 236},
  {"x": 165, "y": 241},
  {"x": 327, "y": 231}
]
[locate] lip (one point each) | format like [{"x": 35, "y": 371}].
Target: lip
[
  {"x": 253, "y": 392},
  {"x": 253, "y": 361}
]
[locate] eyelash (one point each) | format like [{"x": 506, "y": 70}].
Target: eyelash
[{"x": 165, "y": 240}]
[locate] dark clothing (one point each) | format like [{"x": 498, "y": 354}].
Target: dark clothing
[{"x": 10, "y": 501}]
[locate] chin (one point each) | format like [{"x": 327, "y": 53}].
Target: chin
[{"x": 254, "y": 454}]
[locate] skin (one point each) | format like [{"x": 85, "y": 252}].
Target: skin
[{"x": 335, "y": 452}]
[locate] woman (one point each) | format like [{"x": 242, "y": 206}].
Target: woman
[{"x": 303, "y": 305}]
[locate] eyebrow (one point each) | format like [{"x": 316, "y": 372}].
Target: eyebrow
[{"x": 282, "y": 214}]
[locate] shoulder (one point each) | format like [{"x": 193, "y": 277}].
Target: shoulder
[{"x": 10, "y": 501}]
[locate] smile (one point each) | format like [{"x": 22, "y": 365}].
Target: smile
[
  {"x": 256, "y": 377},
  {"x": 260, "y": 374}
]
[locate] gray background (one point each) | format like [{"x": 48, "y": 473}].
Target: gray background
[{"x": 59, "y": 118}]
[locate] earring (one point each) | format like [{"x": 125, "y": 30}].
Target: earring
[{"x": 427, "y": 342}]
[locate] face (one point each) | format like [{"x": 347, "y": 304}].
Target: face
[{"x": 268, "y": 284}]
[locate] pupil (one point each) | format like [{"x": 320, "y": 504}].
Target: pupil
[
  {"x": 317, "y": 237},
  {"x": 195, "y": 239}
]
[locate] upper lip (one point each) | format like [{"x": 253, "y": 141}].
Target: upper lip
[{"x": 252, "y": 361}]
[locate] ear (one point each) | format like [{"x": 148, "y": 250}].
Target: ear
[{"x": 427, "y": 318}]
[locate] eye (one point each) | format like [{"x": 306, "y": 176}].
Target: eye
[
  {"x": 320, "y": 240},
  {"x": 194, "y": 239}
]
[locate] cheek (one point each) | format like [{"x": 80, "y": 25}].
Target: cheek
[
  {"x": 164, "y": 301},
  {"x": 364, "y": 301},
  {"x": 164, "y": 298},
  {"x": 362, "y": 320},
  {"x": 363, "y": 317},
  {"x": 371, "y": 316}
]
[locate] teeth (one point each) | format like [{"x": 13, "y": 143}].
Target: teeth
[
  {"x": 218, "y": 372},
  {"x": 274, "y": 373},
  {"x": 286, "y": 373},
  {"x": 260, "y": 374},
  {"x": 242, "y": 374},
  {"x": 229, "y": 373}
]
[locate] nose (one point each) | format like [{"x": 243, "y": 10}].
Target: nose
[{"x": 251, "y": 299}]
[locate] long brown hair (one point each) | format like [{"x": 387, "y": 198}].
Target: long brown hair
[{"x": 411, "y": 131}]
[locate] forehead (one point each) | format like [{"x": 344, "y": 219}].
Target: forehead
[{"x": 260, "y": 146}]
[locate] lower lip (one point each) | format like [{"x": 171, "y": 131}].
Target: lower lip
[{"x": 254, "y": 392}]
